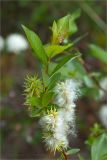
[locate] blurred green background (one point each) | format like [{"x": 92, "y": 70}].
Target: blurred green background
[{"x": 20, "y": 135}]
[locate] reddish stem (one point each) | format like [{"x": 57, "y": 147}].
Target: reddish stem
[{"x": 64, "y": 154}]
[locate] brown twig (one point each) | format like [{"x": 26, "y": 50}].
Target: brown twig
[{"x": 64, "y": 154}]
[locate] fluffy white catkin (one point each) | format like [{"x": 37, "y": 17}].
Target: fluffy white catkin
[{"x": 57, "y": 125}]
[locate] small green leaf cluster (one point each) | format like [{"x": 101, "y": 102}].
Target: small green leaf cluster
[
  {"x": 63, "y": 28},
  {"x": 97, "y": 142}
]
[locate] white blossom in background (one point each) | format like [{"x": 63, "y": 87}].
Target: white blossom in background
[
  {"x": 103, "y": 84},
  {"x": 16, "y": 43},
  {"x": 103, "y": 115},
  {"x": 57, "y": 125},
  {"x": 1, "y": 43}
]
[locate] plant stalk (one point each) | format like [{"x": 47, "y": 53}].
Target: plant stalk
[{"x": 64, "y": 154}]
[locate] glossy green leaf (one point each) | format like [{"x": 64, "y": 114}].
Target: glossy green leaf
[
  {"x": 98, "y": 53},
  {"x": 99, "y": 147},
  {"x": 72, "y": 151},
  {"x": 64, "y": 60},
  {"x": 53, "y": 50},
  {"x": 36, "y": 45}
]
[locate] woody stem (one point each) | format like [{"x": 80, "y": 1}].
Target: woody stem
[{"x": 64, "y": 154}]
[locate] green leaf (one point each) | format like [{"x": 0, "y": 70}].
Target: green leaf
[
  {"x": 64, "y": 60},
  {"x": 34, "y": 108},
  {"x": 76, "y": 14},
  {"x": 98, "y": 53},
  {"x": 46, "y": 98},
  {"x": 34, "y": 111},
  {"x": 88, "y": 81},
  {"x": 34, "y": 101},
  {"x": 104, "y": 157},
  {"x": 53, "y": 80},
  {"x": 63, "y": 24},
  {"x": 80, "y": 72},
  {"x": 72, "y": 25},
  {"x": 36, "y": 44},
  {"x": 60, "y": 29},
  {"x": 92, "y": 92},
  {"x": 55, "y": 33},
  {"x": 64, "y": 27},
  {"x": 53, "y": 50},
  {"x": 51, "y": 67},
  {"x": 72, "y": 151},
  {"x": 99, "y": 147}
]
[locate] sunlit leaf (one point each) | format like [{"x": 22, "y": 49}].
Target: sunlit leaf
[{"x": 53, "y": 50}]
